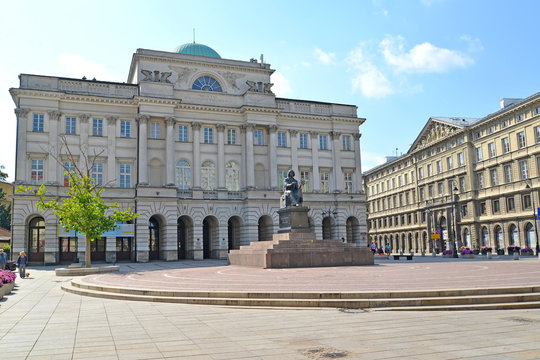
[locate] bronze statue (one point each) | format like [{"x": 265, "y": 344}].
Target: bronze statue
[{"x": 292, "y": 193}]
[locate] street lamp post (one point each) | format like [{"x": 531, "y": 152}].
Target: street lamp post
[
  {"x": 454, "y": 189},
  {"x": 535, "y": 220}
]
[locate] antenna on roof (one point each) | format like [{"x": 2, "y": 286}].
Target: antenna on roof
[{"x": 194, "y": 35}]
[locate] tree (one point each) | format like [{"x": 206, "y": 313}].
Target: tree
[
  {"x": 83, "y": 210},
  {"x": 5, "y": 211}
]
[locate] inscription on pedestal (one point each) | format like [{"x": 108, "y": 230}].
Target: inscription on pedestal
[{"x": 293, "y": 219}]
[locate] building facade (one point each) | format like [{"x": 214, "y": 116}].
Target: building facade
[
  {"x": 474, "y": 181},
  {"x": 196, "y": 144}
]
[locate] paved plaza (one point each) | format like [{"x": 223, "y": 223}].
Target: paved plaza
[{"x": 40, "y": 321}]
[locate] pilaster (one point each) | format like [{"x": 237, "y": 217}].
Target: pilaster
[
  {"x": 250, "y": 161},
  {"x": 336, "y": 159},
  {"x": 54, "y": 147},
  {"x": 357, "y": 163},
  {"x": 169, "y": 150},
  {"x": 142, "y": 120},
  {"x": 22, "y": 122},
  {"x": 315, "y": 160},
  {"x": 294, "y": 150},
  {"x": 221, "y": 157},
  {"x": 272, "y": 147},
  {"x": 196, "y": 127},
  {"x": 111, "y": 150}
]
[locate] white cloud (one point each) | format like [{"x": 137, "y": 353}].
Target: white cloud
[
  {"x": 325, "y": 58},
  {"x": 76, "y": 66},
  {"x": 305, "y": 63},
  {"x": 371, "y": 160},
  {"x": 473, "y": 45},
  {"x": 281, "y": 85},
  {"x": 422, "y": 58},
  {"x": 368, "y": 79}
]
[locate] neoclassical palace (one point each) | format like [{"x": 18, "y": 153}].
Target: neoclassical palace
[
  {"x": 471, "y": 180},
  {"x": 196, "y": 144}
]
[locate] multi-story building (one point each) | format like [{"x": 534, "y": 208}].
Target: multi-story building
[
  {"x": 196, "y": 144},
  {"x": 472, "y": 180}
]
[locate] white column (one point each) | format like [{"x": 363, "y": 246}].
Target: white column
[
  {"x": 143, "y": 149},
  {"x": 250, "y": 161},
  {"x": 111, "y": 150},
  {"x": 196, "y": 127},
  {"x": 315, "y": 159},
  {"x": 52, "y": 164},
  {"x": 272, "y": 153},
  {"x": 294, "y": 152},
  {"x": 169, "y": 150},
  {"x": 221, "y": 157},
  {"x": 83, "y": 141},
  {"x": 20, "y": 160},
  {"x": 337, "y": 175},
  {"x": 358, "y": 163}
]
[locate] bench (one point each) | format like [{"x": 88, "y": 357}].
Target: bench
[{"x": 409, "y": 257}]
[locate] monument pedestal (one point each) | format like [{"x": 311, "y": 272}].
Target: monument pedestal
[{"x": 296, "y": 246}]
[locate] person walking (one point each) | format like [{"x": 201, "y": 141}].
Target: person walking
[
  {"x": 3, "y": 259},
  {"x": 387, "y": 249},
  {"x": 22, "y": 261}
]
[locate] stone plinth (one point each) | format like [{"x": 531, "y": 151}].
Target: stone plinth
[
  {"x": 293, "y": 219},
  {"x": 300, "y": 249}
]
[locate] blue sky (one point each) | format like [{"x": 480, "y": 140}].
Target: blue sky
[{"x": 400, "y": 62}]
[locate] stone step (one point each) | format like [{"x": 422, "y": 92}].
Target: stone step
[{"x": 460, "y": 299}]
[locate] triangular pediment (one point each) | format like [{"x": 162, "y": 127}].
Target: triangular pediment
[{"x": 433, "y": 131}]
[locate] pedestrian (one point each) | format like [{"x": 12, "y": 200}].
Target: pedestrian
[
  {"x": 374, "y": 247},
  {"x": 3, "y": 259},
  {"x": 22, "y": 261},
  {"x": 387, "y": 249}
]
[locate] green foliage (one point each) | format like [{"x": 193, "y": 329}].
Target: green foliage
[
  {"x": 83, "y": 210},
  {"x": 3, "y": 175},
  {"x": 7, "y": 249},
  {"x": 5, "y": 216}
]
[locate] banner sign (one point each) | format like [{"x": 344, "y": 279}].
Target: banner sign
[{"x": 122, "y": 230}]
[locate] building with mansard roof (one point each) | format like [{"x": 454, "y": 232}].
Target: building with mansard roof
[
  {"x": 196, "y": 144},
  {"x": 468, "y": 181}
]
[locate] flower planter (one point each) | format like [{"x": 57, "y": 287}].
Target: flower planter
[
  {"x": 467, "y": 256},
  {"x": 500, "y": 251},
  {"x": 484, "y": 252},
  {"x": 527, "y": 253},
  {"x": 510, "y": 252},
  {"x": 447, "y": 256}
]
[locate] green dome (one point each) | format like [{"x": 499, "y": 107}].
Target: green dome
[{"x": 197, "y": 49}]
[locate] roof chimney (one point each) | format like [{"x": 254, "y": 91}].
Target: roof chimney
[{"x": 509, "y": 101}]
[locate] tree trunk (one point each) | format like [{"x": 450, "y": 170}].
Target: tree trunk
[{"x": 87, "y": 253}]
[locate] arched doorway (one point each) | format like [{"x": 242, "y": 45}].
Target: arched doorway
[
  {"x": 353, "y": 231},
  {"x": 514, "y": 235},
  {"x": 210, "y": 235},
  {"x": 184, "y": 233},
  {"x": 266, "y": 228},
  {"x": 467, "y": 237},
  {"x": 327, "y": 227},
  {"x": 233, "y": 229},
  {"x": 153, "y": 238},
  {"x": 425, "y": 242},
  {"x": 36, "y": 239},
  {"x": 485, "y": 236},
  {"x": 410, "y": 243},
  {"x": 444, "y": 241},
  {"x": 530, "y": 236},
  {"x": 499, "y": 239}
]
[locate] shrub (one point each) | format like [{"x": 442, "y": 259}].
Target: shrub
[
  {"x": 7, "y": 277},
  {"x": 447, "y": 252}
]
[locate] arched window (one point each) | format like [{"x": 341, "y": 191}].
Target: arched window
[
  {"x": 467, "y": 237},
  {"x": 485, "y": 236},
  {"x": 531, "y": 237},
  {"x": 183, "y": 175},
  {"x": 208, "y": 175},
  {"x": 206, "y": 83},
  {"x": 514, "y": 235},
  {"x": 499, "y": 240},
  {"x": 36, "y": 239},
  {"x": 232, "y": 175},
  {"x": 153, "y": 239}
]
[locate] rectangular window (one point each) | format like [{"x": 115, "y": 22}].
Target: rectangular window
[
  {"x": 523, "y": 169},
  {"x": 462, "y": 186},
  {"x": 399, "y": 181},
  {"x": 480, "y": 180},
  {"x": 97, "y": 127},
  {"x": 422, "y": 194},
  {"x": 429, "y": 170},
  {"x": 430, "y": 191},
  {"x": 496, "y": 206},
  {"x": 208, "y": 135},
  {"x": 412, "y": 176},
  {"x": 400, "y": 200},
  {"x": 323, "y": 142},
  {"x": 257, "y": 137},
  {"x": 71, "y": 124},
  {"x": 521, "y": 139},
  {"x": 303, "y": 141},
  {"x": 439, "y": 166},
  {"x": 527, "y": 201},
  {"x": 346, "y": 139},
  {"x": 347, "y": 178},
  {"x": 493, "y": 176},
  {"x": 510, "y": 204},
  {"x": 479, "y": 154},
  {"x": 407, "y": 198},
  {"x": 183, "y": 133},
  {"x": 37, "y": 125},
  {"x": 491, "y": 150},
  {"x": 282, "y": 175},
  {"x": 420, "y": 173},
  {"x": 464, "y": 210},
  {"x": 406, "y": 178},
  {"x": 97, "y": 173},
  {"x": 483, "y": 208},
  {"x": 460, "y": 159},
  {"x": 508, "y": 173},
  {"x": 125, "y": 129},
  {"x": 281, "y": 139},
  {"x": 393, "y": 183},
  {"x": 449, "y": 163},
  {"x": 155, "y": 130},
  {"x": 440, "y": 188},
  {"x": 505, "y": 142},
  {"x": 324, "y": 181},
  {"x": 521, "y": 117},
  {"x": 68, "y": 167},
  {"x": 537, "y": 134},
  {"x": 125, "y": 175},
  {"x": 37, "y": 172},
  {"x": 304, "y": 178}
]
